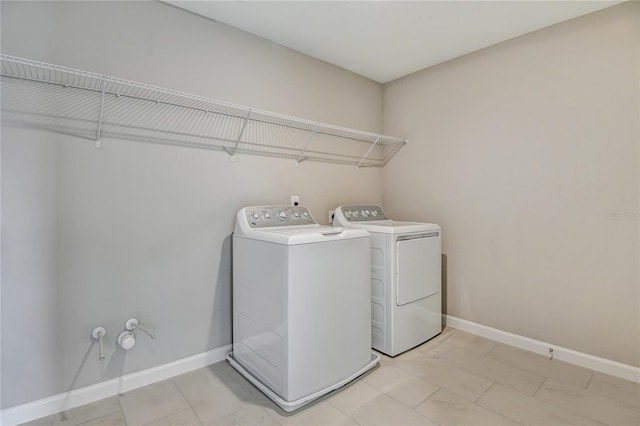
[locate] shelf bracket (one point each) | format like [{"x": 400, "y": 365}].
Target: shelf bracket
[
  {"x": 368, "y": 152},
  {"x": 311, "y": 137},
  {"x": 232, "y": 153},
  {"x": 98, "y": 142}
]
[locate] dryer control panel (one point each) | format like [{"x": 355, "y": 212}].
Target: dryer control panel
[
  {"x": 363, "y": 213},
  {"x": 267, "y": 216}
]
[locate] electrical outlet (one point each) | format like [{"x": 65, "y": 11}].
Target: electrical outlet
[
  {"x": 295, "y": 200},
  {"x": 331, "y": 214}
]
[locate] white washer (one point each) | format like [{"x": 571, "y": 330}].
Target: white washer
[
  {"x": 301, "y": 304},
  {"x": 406, "y": 282}
]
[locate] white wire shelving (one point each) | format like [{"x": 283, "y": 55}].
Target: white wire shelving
[{"x": 95, "y": 106}]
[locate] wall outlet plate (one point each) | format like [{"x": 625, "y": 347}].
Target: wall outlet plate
[
  {"x": 295, "y": 200},
  {"x": 331, "y": 213}
]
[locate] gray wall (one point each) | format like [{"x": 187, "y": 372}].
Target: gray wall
[
  {"x": 517, "y": 151},
  {"x": 523, "y": 152},
  {"x": 93, "y": 237}
]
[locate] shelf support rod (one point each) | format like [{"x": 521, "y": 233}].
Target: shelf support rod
[
  {"x": 311, "y": 137},
  {"x": 235, "y": 147},
  {"x": 368, "y": 152},
  {"x": 98, "y": 142}
]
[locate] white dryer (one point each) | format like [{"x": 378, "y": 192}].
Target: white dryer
[
  {"x": 301, "y": 304},
  {"x": 406, "y": 304}
]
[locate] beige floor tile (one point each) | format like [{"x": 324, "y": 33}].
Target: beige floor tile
[
  {"x": 529, "y": 410},
  {"x": 440, "y": 351},
  {"x": 183, "y": 418},
  {"x": 224, "y": 368},
  {"x": 447, "y": 332},
  {"x": 261, "y": 400},
  {"x": 412, "y": 392},
  {"x": 152, "y": 402},
  {"x": 212, "y": 394},
  {"x": 472, "y": 342},
  {"x": 430, "y": 345},
  {"x": 600, "y": 408},
  {"x": 353, "y": 397},
  {"x": 386, "y": 411},
  {"x": 445, "y": 408},
  {"x": 113, "y": 419},
  {"x": 615, "y": 388},
  {"x": 453, "y": 379},
  {"x": 409, "y": 355},
  {"x": 320, "y": 414},
  {"x": 385, "y": 378},
  {"x": 559, "y": 371},
  {"x": 401, "y": 386},
  {"x": 87, "y": 412},
  {"x": 237, "y": 381},
  {"x": 42, "y": 421},
  {"x": 248, "y": 416},
  {"x": 494, "y": 370},
  {"x": 253, "y": 396}
]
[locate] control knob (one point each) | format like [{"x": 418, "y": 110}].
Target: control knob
[
  {"x": 267, "y": 216},
  {"x": 365, "y": 213},
  {"x": 282, "y": 215},
  {"x": 355, "y": 213},
  {"x": 296, "y": 215},
  {"x": 347, "y": 213},
  {"x": 255, "y": 216},
  {"x": 305, "y": 215}
]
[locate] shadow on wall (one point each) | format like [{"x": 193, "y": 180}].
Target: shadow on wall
[
  {"x": 444, "y": 286},
  {"x": 62, "y": 415},
  {"x": 115, "y": 368},
  {"x": 220, "y": 329}
]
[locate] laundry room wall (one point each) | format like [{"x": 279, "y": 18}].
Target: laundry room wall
[
  {"x": 527, "y": 154},
  {"x": 95, "y": 236}
]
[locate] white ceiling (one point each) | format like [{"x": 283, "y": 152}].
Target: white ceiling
[{"x": 386, "y": 40}]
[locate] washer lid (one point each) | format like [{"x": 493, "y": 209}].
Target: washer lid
[{"x": 289, "y": 235}]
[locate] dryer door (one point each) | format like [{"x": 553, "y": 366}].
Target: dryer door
[{"x": 418, "y": 268}]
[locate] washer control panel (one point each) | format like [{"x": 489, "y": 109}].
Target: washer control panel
[
  {"x": 265, "y": 216},
  {"x": 363, "y": 213}
]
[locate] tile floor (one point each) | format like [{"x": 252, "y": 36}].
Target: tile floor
[{"x": 454, "y": 379}]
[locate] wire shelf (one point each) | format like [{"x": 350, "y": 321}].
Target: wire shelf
[{"x": 95, "y": 106}]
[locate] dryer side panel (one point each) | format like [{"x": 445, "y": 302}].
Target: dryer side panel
[{"x": 380, "y": 292}]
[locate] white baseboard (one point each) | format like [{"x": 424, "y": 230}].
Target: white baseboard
[
  {"x": 603, "y": 365},
  {"x": 65, "y": 401}
]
